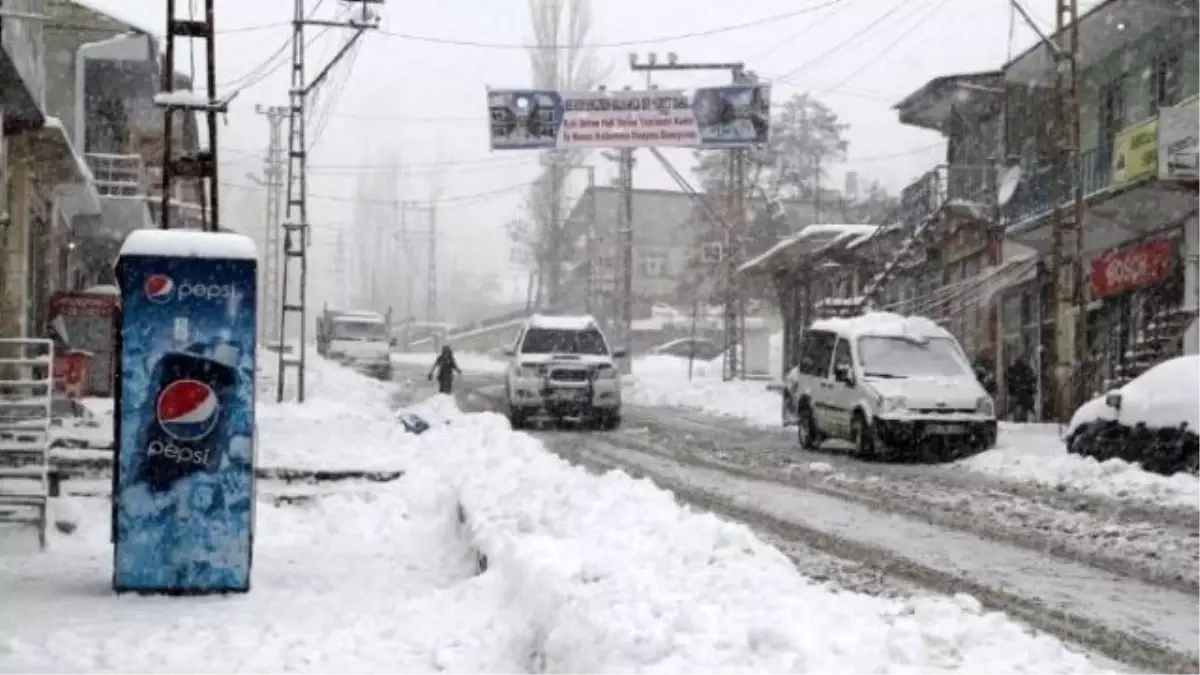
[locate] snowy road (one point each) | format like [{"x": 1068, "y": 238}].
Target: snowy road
[{"x": 1116, "y": 578}]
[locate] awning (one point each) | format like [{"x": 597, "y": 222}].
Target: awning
[
  {"x": 49, "y": 149},
  {"x": 800, "y": 248}
]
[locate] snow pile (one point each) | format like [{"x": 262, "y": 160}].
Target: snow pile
[
  {"x": 347, "y": 421},
  {"x": 1034, "y": 453},
  {"x": 663, "y": 381},
  {"x": 613, "y": 576},
  {"x": 470, "y": 362},
  {"x": 378, "y": 581}
]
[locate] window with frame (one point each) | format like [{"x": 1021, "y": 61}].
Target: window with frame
[
  {"x": 1166, "y": 83},
  {"x": 841, "y": 355},
  {"x": 1112, "y": 108},
  {"x": 652, "y": 263},
  {"x": 815, "y": 352}
]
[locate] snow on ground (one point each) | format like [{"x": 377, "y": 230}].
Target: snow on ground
[
  {"x": 584, "y": 573},
  {"x": 470, "y": 362},
  {"x": 1035, "y": 453},
  {"x": 1024, "y": 452},
  {"x": 661, "y": 380}
]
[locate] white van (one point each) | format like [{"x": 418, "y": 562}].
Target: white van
[{"x": 893, "y": 385}]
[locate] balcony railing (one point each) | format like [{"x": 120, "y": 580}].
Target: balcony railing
[
  {"x": 1035, "y": 195},
  {"x": 118, "y": 175}
]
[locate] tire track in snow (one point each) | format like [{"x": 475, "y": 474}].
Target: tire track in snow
[{"x": 1124, "y": 619}]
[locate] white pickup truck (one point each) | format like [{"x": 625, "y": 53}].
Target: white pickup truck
[{"x": 359, "y": 339}]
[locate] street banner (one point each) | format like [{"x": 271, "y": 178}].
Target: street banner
[
  {"x": 183, "y": 484},
  {"x": 1178, "y": 150},
  {"x": 710, "y": 118}
]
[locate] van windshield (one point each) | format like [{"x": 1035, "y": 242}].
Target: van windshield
[
  {"x": 359, "y": 331},
  {"x": 559, "y": 341},
  {"x": 897, "y": 357}
]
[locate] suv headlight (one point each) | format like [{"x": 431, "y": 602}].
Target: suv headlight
[
  {"x": 985, "y": 406},
  {"x": 889, "y": 404},
  {"x": 606, "y": 374},
  {"x": 526, "y": 371}
]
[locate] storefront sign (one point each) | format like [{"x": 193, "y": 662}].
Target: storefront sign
[
  {"x": 1178, "y": 153},
  {"x": 709, "y": 117},
  {"x": 1135, "y": 154},
  {"x": 1125, "y": 269}
]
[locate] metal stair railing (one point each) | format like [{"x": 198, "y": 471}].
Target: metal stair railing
[{"x": 26, "y": 394}]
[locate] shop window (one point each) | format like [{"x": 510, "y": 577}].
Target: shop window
[{"x": 1166, "y": 84}]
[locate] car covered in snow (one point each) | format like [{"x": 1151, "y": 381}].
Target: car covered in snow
[
  {"x": 895, "y": 386},
  {"x": 561, "y": 367},
  {"x": 1152, "y": 421}
]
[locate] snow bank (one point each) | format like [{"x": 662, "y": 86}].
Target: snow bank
[
  {"x": 470, "y": 362},
  {"x": 614, "y": 576},
  {"x": 1034, "y": 453},
  {"x": 660, "y": 380}
]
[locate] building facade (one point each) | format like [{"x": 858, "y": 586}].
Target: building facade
[
  {"x": 45, "y": 187},
  {"x": 102, "y": 73}
]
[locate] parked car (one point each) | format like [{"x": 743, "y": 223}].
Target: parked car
[
  {"x": 895, "y": 386},
  {"x": 705, "y": 349},
  {"x": 1151, "y": 421}
]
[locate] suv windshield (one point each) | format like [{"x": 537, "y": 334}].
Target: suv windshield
[
  {"x": 558, "y": 341},
  {"x": 363, "y": 331},
  {"x": 896, "y": 357}
]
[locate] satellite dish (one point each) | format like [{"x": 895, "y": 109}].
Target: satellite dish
[{"x": 1008, "y": 185}]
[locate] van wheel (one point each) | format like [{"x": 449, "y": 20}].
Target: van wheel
[
  {"x": 866, "y": 441},
  {"x": 806, "y": 429}
]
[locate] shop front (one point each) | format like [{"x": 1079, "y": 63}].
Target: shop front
[{"x": 1138, "y": 313}]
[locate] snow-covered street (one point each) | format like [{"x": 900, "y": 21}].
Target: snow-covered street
[{"x": 489, "y": 554}]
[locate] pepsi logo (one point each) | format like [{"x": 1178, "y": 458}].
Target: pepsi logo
[
  {"x": 160, "y": 288},
  {"x": 187, "y": 410}
]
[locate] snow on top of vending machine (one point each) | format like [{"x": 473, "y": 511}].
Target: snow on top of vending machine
[{"x": 189, "y": 244}]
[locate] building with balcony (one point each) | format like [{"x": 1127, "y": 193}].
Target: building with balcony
[
  {"x": 45, "y": 187},
  {"x": 102, "y": 73},
  {"x": 1139, "y": 119}
]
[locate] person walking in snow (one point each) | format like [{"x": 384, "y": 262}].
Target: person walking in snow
[{"x": 445, "y": 367}]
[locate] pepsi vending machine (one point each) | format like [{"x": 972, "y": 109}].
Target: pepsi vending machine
[{"x": 183, "y": 483}]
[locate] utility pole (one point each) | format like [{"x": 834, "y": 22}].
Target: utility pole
[
  {"x": 273, "y": 167},
  {"x": 734, "y": 251},
  {"x": 200, "y": 165},
  {"x": 1064, "y": 346},
  {"x": 431, "y": 282},
  {"x": 295, "y": 229}
]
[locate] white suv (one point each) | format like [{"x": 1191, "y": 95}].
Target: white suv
[
  {"x": 561, "y": 367},
  {"x": 892, "y": 385}
]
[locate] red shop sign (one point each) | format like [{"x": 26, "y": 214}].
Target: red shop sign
[{"x": 1132, "y": 267}]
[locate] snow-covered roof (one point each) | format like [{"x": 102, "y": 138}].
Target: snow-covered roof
[
  {"x": 811, "y": 239},
  {"x": 189, "y": 244},
  {"x": 131, "y": 19},
  {"x": 358, "y": 316},
  {"x": 183, "y": 98},
  {"x": 883, "y": 324},
  {"x": 581, "y": 322}
]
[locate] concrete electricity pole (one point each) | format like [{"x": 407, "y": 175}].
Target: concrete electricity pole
[
  {"x": 295, "y": 229},
  {"x": 1066, "y": 344},
  {"x": 200, "y": 165},
  {"x": 272, "y": 254},
  {"x": 734, "y": 248}
]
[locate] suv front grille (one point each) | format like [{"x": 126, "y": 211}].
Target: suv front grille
[{"x": 569, "y": 375}]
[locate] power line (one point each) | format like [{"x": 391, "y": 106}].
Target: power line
[
  {"x": 496, "y": 161},
  {"x": 893, "y": 155},
  {"x": 759, "y": 55},
  {"x": 265, "y": 68},
  {"x": 456, "y": 42},
  {"x": 453, "y": 199},
  {"x": 887, "y": 48},
  {"x": 848, "y": 40}
]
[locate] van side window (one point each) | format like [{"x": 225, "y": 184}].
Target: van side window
[
  {"x": 841, "y": 355},
  {"x": 817, "y": 350}
]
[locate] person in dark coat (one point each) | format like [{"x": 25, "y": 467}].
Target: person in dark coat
[
  {"x": 445, "y": 367},
  {"x": 1022, "y": 389}
]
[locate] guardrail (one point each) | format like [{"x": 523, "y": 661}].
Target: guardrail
[{"x": 1035, "y": 195}]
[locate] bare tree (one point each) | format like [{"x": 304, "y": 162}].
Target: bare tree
[{"x": 562, "y": 61}]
